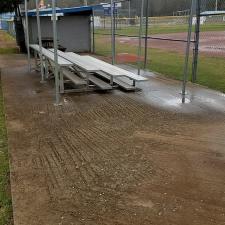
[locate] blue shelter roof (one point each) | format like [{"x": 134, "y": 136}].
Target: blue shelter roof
[{"x": 66, "y": 11}]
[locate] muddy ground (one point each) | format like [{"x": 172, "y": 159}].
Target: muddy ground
[
  {"x": 109, "y": 158},
  {"x": 211, "y": 43}
]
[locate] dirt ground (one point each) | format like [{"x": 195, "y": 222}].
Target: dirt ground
[
  {"x": 109, "y": 158},
  {"x": 211, "y": 43}
]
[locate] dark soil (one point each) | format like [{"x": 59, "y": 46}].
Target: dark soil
[{"x": 109, "y": 159}]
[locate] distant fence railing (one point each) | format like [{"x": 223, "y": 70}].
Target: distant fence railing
[
  {"x": 105, "y": 22},
  {"x": 8, "y": 25}
]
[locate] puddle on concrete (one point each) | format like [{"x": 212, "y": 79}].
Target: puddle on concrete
[{"x": 176, "y": 102}]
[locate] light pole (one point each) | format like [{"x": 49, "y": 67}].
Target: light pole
[{"x": 216, "y": 7}]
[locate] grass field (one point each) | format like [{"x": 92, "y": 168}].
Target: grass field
[
  {"x": 163, "y": 29},
  {"x": 5, "y": 197},
  {"x": 211, "y": 70},
  {"x": 7, "y": 44}
]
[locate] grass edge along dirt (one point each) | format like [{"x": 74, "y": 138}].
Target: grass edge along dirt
[
  {"x": 170, "y": 64},
  {"x": 161, "y": 29},
  {"x": 5, "y": 194},
  {"x": 5, "y": 37}
]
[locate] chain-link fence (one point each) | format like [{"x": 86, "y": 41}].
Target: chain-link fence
[
  {"x": 162, "y": 46},
  {"x": 164, "y": 40},
  {"x": 7, "y": 23}
]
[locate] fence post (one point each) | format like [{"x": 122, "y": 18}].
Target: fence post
[
  {"x": 185, "y": 74},
  {"x": 197, "y": 35},
  {"x": 93, "y": 31},
  {"x": 113, "y": 32},
  {"x": 146, "y": 34},
  {"x": 140, "y": 37}
]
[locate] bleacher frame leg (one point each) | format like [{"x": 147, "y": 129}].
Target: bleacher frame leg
[
  {"x": 87, "y": 78},
  {"x": 46, "y": 68},
  {"x": 61, "y": 81},
  {"x": 35, "y": 59},
  {"x": 111, "y": 80}
]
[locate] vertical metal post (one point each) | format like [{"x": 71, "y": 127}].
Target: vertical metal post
[
  {"x": 185, "y": 74},
  {"x": 146, "y": 34},
  {"x": 129, "y": 8},
  {"x": 27, "y": 36},
  {"x": 140, "y": 37},
  {"x": 55, "y": 42},
  {"x": 104, "y": 20},
  {"x": 216, "y": 6},
  {"x": 196, "y": 47},
  {"x": 93, "y": 31},
  {"x": 113, "y": 32},
  {"x": 85, "y": 2},
  {"x": 40, "y": 41}
]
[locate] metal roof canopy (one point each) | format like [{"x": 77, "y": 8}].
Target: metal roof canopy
[
  {"x": 212, "y": 13},
  {"x": 65, "y": 11}
]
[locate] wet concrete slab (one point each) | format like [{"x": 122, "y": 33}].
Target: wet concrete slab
[{"x": 165, "y": 93}]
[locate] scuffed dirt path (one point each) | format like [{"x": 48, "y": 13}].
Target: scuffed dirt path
[{"x": 108, "y": 159}]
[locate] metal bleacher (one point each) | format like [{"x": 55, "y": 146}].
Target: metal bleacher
[{"x": 86, "y": 72}]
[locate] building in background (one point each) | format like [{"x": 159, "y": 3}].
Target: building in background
[
  {"x": 5, "y": 19},
  {"x": 73, "y": 24}
]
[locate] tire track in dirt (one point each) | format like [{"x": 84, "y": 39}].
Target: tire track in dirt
[{"x": 89, "y": 156}]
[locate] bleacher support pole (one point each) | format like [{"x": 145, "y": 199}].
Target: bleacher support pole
[
  {"x": 55, "y": 43},
  {"x": 39, "y": 40},
  {"x": 27, "y": 36}
]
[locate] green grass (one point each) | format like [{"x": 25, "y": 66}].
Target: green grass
[
  {"x": 5, "y": 197},
  {"x": 7, "y": 45},
  {"x": 8, "y": 50},
  {"x": 164, "y": 29},
  {"x": 211, "y": 70},
  {"x": 5, "y": 36}
]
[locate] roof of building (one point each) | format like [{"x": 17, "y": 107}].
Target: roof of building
[
  {"x": 65, "y": 11},
  {"x": 213, "y": 13}
]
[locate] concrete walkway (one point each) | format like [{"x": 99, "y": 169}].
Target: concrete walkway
[
  {"x": 114, "y": 159},
  {"x": 165, "y": 93}
]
